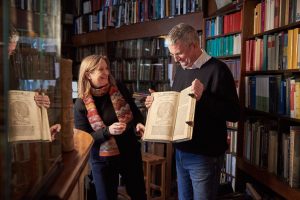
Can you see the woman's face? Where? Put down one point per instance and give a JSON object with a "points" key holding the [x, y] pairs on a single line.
{"points": [[99, 76]]}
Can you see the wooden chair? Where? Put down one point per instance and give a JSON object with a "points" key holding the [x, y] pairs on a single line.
{"points": [[152, 163]]}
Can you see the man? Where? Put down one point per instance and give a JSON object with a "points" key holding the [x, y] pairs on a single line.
{"points": [[41, 100], [199, 161]]}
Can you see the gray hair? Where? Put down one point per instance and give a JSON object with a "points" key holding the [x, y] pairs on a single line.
{"points": [[183, 32], [13, 34]]}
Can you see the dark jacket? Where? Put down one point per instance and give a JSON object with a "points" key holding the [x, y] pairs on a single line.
{"points": [[219, 103]]}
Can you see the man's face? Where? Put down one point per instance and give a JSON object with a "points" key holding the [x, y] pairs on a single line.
{"points": [[182, 53], [11, 48]]}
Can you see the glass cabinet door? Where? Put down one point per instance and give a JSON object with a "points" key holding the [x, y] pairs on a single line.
{"points": [[30, 57]]}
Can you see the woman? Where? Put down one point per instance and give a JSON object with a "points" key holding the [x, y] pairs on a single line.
{"points": [[106, 110]]}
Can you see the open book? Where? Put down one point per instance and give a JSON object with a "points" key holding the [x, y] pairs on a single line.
{"points": [[171, 116], [27, 121]]}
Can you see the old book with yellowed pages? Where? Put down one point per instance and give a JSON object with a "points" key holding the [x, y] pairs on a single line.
{"points": [[27, 121], [170, 117]]}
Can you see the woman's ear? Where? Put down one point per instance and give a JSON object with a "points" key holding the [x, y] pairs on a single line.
{"points": [[87, 75]]}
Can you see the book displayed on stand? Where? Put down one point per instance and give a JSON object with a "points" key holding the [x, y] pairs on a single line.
{"points": [[170, 117]]}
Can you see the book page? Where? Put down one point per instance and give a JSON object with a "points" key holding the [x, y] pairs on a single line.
{"points": [[185, 116], [161, 116], [25, 118]]}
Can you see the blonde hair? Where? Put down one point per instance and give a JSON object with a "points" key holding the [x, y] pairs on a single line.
{"points": [[184, 33], [88, 65]]}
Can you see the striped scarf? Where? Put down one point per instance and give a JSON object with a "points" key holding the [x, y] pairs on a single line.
{"points": [[122, 110]]}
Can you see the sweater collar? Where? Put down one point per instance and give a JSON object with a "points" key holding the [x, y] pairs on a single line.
{"points": [[203, 58]]}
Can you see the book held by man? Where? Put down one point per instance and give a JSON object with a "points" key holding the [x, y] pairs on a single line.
{"points": [[170, 117], [27, 121]]}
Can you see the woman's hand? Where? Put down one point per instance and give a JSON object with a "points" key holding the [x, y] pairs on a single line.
{"points": [[140, 129], [42, 100], [117, 128]]}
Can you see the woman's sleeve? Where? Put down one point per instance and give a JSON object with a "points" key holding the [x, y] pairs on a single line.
{"points": [[81, 122]]}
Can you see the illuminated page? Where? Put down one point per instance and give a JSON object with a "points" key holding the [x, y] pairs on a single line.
{"points": [[161, 116], [25, 118]]}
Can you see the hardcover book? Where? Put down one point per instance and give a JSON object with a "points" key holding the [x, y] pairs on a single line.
{"points": [[27, 121], [170, 117]]}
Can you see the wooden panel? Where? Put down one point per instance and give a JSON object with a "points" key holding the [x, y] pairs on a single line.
{"points": [[138, 30], [269, 180]]}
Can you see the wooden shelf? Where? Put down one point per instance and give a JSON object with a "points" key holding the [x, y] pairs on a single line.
{"points": [[276, 30], [270, 115], [269, 180], [139, 30], [223, 35], [229, 56], [271, 72]]}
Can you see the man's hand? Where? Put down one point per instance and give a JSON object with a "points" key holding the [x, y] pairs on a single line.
{"points": [[197, 89], [42, 100], [149, 99], [54, 129], [140, 129]]}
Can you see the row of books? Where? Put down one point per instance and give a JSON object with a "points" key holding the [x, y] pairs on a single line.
{"points": [[223, 24], [235, 67], [228, 171], [144, 69], [131, 12], [279, 154], [50, 7], [274, 52], [82, 52], [232, 141], [129, 49], [34, 66], [270, 14], [230, 164], [164, 8], [224, 46], [274, 94], [139, 48]]}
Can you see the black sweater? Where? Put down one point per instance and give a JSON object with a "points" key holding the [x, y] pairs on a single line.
{"points": [[219, 103], [126, 141]]}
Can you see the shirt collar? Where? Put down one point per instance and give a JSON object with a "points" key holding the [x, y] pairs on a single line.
{"points": [[203, 58]]}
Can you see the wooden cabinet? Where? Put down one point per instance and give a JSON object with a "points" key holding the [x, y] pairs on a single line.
{"points": [[70, 183]]}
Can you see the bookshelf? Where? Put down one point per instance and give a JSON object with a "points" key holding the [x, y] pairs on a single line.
{"points": [[67, 18], [30, 166], [223, 35], [264, 137]]}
